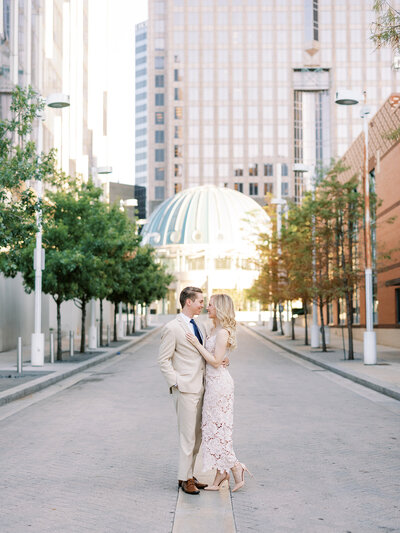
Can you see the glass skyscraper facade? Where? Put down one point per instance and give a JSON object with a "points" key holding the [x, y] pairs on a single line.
{"points": [[236, 87]]}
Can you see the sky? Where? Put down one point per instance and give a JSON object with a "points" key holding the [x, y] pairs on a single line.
{"points": [[112, 64]]}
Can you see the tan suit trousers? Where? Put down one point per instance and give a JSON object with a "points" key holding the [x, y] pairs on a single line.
{"points": [[188, 409]]}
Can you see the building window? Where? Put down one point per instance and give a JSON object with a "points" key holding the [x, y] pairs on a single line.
{"points": [[141, 60], [141, 72], [178, 171], [141, 144], [253, 189], [159, 99], [178, 152], [285, 188], [178, 113], [178, 94], [253, 170], [159, 193], [239, 171], [141, 132], [141, 108], [238, 187], [141, 37], [158, 62], [159, 136], [177, 74], [159, 174], [141, 84], [311, 20], [285, 171], [268, 170], [177, 187], [268, 188], [159, 155], [141, 96], [140, 49], [223, 263], [178, 134], [159, 80], [159, 117], [397, 296]]}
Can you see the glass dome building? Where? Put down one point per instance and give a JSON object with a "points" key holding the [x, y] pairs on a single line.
{"points": [[207, 238]]}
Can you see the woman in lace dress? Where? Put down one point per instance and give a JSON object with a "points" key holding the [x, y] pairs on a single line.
{"points": [[217, 417]]}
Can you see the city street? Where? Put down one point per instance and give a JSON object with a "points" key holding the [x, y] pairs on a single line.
{"points": [[99, 454]]}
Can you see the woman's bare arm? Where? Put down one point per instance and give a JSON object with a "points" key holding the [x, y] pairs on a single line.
{"points": [[220, 348]]}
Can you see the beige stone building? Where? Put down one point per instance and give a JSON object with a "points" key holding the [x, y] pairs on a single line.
{"points": [[233, 87]]}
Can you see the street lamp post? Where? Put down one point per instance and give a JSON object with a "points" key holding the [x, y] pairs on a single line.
{"points": [[279, 202], [348, 98], [130, 202], [37, 340], [92, 327], [299, 167]]}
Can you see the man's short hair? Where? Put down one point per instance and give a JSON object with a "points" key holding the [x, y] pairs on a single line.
{"points": [[189, 293]]}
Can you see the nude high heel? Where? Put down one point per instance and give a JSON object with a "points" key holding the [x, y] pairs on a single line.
{"points": [[238, 473], [217, 487]]}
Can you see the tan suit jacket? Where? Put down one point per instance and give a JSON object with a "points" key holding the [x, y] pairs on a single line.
{"points": [[179, 360]]}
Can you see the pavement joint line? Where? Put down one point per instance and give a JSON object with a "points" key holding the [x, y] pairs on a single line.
{"points": [[351, 376], [29, 388]]}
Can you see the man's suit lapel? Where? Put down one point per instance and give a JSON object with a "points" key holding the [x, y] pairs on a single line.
{"points": [[186, 328]]}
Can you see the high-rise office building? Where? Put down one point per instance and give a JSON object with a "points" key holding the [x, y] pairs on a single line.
{"points": [[236, 86], [141, 105]]}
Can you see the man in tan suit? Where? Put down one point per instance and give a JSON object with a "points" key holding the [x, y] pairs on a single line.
{"points": [[183, 368]]}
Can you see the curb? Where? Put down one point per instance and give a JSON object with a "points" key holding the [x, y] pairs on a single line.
{"points": [[353, 377], [47, 381]]}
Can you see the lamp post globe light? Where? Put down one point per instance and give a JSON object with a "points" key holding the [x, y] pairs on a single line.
{"points": [[37, 339], [310, 169], [347, 98]]}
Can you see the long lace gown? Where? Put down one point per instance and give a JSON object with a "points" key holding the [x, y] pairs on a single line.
{"points": [[217, 417]]}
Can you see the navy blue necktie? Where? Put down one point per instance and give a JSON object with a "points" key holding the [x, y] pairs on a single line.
{"points": [[196, 331]]}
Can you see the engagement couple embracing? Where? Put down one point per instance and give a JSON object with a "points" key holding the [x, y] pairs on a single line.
{"points": [[194, 364]]}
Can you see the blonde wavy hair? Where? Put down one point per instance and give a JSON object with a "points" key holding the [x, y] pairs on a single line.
{"points": [[225, 312]]}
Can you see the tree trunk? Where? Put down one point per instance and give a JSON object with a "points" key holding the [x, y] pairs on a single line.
{"points": [[59, 339], [349, 314], [321, 314], [101, 322], [115, 323], [280, 319], [274, 321], [133, 318], [127, 319], [306, 323], [83, 328]]}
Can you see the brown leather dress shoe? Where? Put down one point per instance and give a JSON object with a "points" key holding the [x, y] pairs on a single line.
{"points": [[196, 482], [189, 487]]}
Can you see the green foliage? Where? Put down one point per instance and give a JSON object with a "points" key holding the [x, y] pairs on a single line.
{"points": [[386, 28]]}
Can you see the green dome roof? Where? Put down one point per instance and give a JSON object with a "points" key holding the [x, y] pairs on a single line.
{"points": [[205, 215]]}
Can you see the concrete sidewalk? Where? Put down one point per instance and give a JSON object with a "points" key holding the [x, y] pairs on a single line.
{"points": [[14, 386], [384, 377]]}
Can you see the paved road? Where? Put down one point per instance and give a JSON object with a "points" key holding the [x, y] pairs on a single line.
{"points": [[100, 455]]}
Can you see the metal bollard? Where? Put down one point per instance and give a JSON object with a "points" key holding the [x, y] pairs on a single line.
{"points": [[52, 348], [71, 344], [108, 335], [19, 355]]}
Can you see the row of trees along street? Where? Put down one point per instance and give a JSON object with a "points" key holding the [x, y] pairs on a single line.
{"points": [[326, 225], [92, 249]]}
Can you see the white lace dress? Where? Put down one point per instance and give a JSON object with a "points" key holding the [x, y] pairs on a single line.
{"points": [[217, 418]]}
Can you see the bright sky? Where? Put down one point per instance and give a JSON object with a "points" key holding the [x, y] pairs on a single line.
{"points": [[112, 60]]}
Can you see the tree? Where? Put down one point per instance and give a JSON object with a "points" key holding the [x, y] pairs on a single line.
{"points": [[297, 254], [19, 163], [386, 28]]}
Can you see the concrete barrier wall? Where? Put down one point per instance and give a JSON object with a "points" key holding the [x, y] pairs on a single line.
{"points": [[17, 315]]}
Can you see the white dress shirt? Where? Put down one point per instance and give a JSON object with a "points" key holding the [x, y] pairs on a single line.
{"points": [[187, 320]]}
